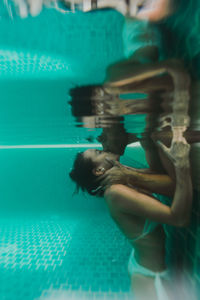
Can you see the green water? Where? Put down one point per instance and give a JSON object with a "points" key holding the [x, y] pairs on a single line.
{"points": [[55, 245]]}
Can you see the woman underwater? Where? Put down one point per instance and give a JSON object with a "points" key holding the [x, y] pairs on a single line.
{"points": [[153, 10], [137, 211]]}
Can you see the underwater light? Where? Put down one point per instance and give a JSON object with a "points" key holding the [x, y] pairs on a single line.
{"points": [[59, 146]]}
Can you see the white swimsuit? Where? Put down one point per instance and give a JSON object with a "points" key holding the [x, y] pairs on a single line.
{"points": [[135, 268]]}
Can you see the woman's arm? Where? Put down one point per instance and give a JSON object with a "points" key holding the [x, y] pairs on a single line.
{"points": [[130, 201]]}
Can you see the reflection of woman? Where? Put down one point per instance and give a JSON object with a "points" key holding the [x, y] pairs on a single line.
{"points": [[153, 10], [129, 194]]}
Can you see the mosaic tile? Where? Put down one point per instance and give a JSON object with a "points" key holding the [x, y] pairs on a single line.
{"points": [[41, 258]]}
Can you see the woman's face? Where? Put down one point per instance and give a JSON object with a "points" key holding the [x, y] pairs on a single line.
{"points": [[100, 157]]}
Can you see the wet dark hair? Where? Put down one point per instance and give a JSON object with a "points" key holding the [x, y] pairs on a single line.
{"points": [[89, 101], [81, 100], [83, 176]]}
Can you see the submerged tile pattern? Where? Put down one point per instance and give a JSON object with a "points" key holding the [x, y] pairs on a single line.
{"points": [[68, 53], [63, 257]]}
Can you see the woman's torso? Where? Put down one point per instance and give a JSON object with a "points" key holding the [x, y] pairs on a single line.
{"points": [[149, 248]]}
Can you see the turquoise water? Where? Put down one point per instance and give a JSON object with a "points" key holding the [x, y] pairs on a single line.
{"points": [[55, 245], [54, 45], [62, 256], [36, 111]]}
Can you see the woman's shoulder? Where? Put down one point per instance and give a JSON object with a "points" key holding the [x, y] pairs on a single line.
{"points": [[113, 190], [115, 196]]}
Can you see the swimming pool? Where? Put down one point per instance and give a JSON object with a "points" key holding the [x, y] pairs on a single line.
{"points": [[56, 245]]}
